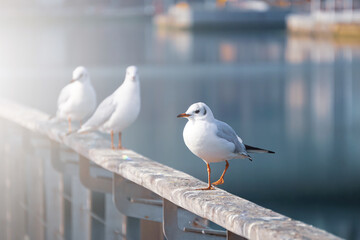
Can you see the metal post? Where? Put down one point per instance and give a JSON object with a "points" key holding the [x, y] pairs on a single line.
{"points": [[34, 191], [12, 184], [113, 220], [15, 183], [3, 188], [80, 206], [132, 228], [56, 162], [54, 201]]}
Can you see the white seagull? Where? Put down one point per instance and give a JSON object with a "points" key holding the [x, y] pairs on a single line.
{"points": [[213, 140], [119, 110], [77, 100]]}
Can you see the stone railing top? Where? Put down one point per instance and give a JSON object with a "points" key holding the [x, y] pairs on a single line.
{"points": [[227, 210]]}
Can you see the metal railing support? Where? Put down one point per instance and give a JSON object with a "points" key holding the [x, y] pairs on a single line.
{"points": [[97, 184], [188, 222], [142, 208], [180, 224], [136, 201]]}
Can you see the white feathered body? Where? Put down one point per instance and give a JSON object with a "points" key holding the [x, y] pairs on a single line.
{"points": [[76, 101], [127, 108], [117, 111], [200, 137]]}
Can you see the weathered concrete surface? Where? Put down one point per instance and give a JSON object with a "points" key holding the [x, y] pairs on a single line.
{"points": [[231, 212]]}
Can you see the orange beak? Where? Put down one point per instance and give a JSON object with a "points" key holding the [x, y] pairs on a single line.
{"points": [[183, 115], [72, 80]]}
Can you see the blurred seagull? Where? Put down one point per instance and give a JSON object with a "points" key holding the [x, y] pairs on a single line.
{"points": [[77, 100], [119, 110], [213, 140]]}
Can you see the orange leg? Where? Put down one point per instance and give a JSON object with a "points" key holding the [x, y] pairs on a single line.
{"points": [[112, 139], [80, 123], [69, 121], [120, 145], [221, 179], [209, 187]]}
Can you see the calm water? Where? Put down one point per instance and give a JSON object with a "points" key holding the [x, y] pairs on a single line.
{"points": [[297, 96]]}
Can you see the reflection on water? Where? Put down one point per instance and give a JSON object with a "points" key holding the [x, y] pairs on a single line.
{"points": [[296, 96]]}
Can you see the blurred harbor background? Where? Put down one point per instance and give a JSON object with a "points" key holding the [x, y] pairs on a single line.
{"points": [[296, 94]]}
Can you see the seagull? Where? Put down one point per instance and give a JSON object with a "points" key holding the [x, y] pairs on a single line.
{"points": [[77, 100], [119, 110], [213, 140]]}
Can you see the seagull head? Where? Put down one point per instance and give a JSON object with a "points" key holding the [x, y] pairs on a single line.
{"points": [[197, 111], [132, 73], [80, 74]]}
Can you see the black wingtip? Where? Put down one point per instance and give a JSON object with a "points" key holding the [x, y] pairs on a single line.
{"points": [[256, 149]]}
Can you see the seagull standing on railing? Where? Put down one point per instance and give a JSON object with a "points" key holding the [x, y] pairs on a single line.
{"points": [[119, 110], [213, 140], [77, 100]]}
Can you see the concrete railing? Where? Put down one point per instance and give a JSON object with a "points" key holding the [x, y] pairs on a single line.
{"points": [[162, 197]]}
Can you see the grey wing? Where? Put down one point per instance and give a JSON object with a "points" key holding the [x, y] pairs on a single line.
{"points": [[226, 132], [101, 115]]}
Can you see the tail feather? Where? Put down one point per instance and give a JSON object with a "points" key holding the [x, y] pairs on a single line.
{"points": [[71, 132], [82, 130], [85, 129], [256, 150]]}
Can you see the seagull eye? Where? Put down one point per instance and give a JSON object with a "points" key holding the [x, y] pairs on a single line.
{"points": [[197, 111]]}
